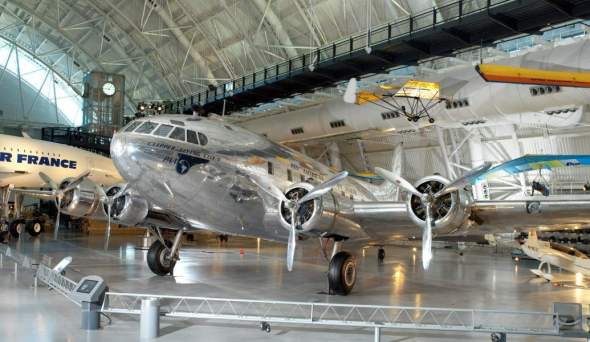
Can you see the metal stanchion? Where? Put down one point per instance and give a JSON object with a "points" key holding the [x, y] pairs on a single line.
{"points": [[15, 270], [149, 324], [377, 334]]}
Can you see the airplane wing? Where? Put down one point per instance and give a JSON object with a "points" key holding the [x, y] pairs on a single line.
{"points": [[522, 214], [12, 173], [532, 162], [46, 195]]}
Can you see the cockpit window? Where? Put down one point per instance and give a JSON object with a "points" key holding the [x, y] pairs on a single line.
{"points": [[132, 126], [191, 137], [147, 127], [163, 130], [203, 139], [177, 123], [178, 134]]}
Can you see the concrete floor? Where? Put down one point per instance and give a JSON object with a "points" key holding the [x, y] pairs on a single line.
{"points": [[480, 279]]}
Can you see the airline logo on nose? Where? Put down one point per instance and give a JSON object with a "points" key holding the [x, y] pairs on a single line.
{"points": [[185, 162], [31, 159]]}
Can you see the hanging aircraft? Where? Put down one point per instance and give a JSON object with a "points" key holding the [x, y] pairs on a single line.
{"points": [[23, 160], [184, 173], [553, 254]]}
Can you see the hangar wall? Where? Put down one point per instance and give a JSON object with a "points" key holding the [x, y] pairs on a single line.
{"points": [[43, 110]]}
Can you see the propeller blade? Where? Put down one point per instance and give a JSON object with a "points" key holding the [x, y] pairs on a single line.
{"points": [[350, 93], [48, 180], [74, 183], [427, 239], [56, 228], [101, 193], [120, 192], [465, 180], [324, 187], [292, 241], [107, 233], [402, 183]]}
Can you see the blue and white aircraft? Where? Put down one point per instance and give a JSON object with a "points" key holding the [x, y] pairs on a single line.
{"points": [[27, 164]]}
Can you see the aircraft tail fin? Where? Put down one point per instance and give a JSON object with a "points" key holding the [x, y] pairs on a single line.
{"points": [[533, 235]]}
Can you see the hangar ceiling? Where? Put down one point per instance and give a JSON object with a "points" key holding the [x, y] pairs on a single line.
{"points": [[167, 49]]}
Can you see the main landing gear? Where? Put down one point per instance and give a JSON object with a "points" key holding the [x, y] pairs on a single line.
{"points": [[163, 254], [342, 271]]}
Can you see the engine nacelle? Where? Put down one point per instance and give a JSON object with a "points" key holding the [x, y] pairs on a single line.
{"points": [[128, 209], [449, 211], [308, 212], [81, 201], [319, 217]]}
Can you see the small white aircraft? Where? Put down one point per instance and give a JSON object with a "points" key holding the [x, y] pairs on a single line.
{"points": [[554, 254], [27, 164]]}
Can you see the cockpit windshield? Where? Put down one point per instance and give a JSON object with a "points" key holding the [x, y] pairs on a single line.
{"points": [[569, 250], [163, 130], [132, 125], [147, 127], [171, 131], [178, 134]]}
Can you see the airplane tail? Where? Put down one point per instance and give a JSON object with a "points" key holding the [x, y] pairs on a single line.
{"points": [[533, 235]]}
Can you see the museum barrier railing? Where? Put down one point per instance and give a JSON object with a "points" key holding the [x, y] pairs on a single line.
{"points": [[41, 271], [349, 315]]}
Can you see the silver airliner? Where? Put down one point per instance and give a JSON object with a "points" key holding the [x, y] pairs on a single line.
{"points": [[184, 173]]}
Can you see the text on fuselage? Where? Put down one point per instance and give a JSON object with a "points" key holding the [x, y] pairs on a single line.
{"points": [[38, 160]]}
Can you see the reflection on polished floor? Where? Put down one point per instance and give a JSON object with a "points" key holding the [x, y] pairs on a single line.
{"points": [[478, 279]]}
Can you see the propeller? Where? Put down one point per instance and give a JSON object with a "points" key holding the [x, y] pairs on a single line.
{"points": [[428, 200], [465, 180], [294, 205], [350, 92], [59, 193], [109, 201]]}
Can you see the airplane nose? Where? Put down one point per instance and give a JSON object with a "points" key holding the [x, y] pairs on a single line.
{"points": [[118, 145]]}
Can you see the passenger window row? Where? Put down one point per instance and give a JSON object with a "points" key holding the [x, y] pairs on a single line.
{"points": [[169, 131]]}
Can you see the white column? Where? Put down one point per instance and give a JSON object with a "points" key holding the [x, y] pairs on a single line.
{"points": [[334, 155], [481, 189], [397, 165], [443, 148]]}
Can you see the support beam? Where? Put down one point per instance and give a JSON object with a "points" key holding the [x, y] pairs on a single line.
{"points": [[198, 59], [562, 6], [504, 21], [275, 22]]}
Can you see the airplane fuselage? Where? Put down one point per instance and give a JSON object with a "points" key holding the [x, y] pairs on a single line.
{"points": [[21, 160], [213, 186], [565, 258]]}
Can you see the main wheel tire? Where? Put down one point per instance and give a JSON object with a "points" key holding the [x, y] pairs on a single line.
{"points": [[16, 228], [158, 260], [342, 273], [34, 227]]}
